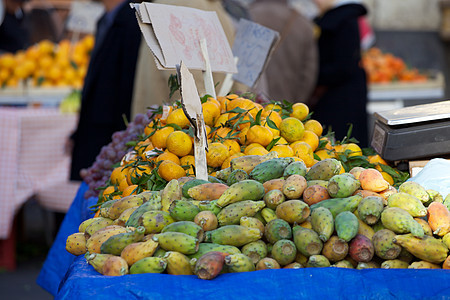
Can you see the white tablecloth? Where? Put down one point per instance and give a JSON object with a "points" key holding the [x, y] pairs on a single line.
{"points": [[33, 162]]}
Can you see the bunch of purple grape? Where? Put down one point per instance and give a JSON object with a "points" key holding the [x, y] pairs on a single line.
{"points": [[110, 155]]}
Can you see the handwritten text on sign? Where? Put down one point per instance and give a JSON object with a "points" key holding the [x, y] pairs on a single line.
{"points": [[178, 31], [252, 46]]}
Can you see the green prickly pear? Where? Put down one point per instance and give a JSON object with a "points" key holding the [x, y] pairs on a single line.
{"points": [[307, 241], [124, 203], [324, 169], [224, 174], [232, 213], [270, 169], [318, 261], [76, 243], [234, 235], [384, 246], [394, 264], [243, 190], [338, 205], [237, 263], [322, 183], [277, 229], [322, 222], [284, 252], [296, 167], [400, 221], [435, 196], [427, 248], [255, 250], [414, 189], [187, 227], [236, 176], [346, 224], [183, 210], [370, 208], [171, 192], [105, 206], [249, 162], [153, 203], [208, 247], [210, 205], [95, 241], [124, 216], [149, 265], [82, 227], [342, 185], [447, 201], [115, 244], [407, 202], [177, 241], [293, 211], [177, 263], [136, 251], [155, 220], [97, 260]]}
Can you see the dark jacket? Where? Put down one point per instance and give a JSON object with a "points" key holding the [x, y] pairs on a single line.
{"points": [[341, 92], [107, 90]]}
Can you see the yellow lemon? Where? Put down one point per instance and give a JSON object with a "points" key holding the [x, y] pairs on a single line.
{"points": [[314, 126], [292, 129], [299, 111], [216, 154], [259, 134], [179, 143]]}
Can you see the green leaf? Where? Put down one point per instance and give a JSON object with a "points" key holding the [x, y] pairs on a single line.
{"points": [[237, 110], [272, 143], [272, 124], [174, 126], [174, 84]]}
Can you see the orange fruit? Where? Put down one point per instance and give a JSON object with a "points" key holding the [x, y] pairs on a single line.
{"points": [[221, 120], [299, 111], [8, 61], [328, 145], [179, 143], [324, 154], [303, 151], [273, 107], [242, 135], [159, 138], [210, 112], [355, 150], [259, 134], [45, 47], [188, 160], [257, 151], [387, 177], [283, 150], [292, 129], [216, 154], [314, 126], [377, 159], [178, 117], [274, 117], [233, 146], [108, 191], [168, 156], [251, 146], [137, 172], [223, 103], [221, 132], [169, 170], [281, 141], [275, 132], [311, 138], [118, 174], [123, 184], [130, 190]]}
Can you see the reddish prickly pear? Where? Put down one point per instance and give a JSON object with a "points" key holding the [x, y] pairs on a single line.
{"points": [[361, 249], [210, 264]]}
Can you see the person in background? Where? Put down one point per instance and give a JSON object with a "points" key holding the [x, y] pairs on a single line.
{"points": [[108, 86], [151, 87], [292, 70], [340, 97], [14, 34]]}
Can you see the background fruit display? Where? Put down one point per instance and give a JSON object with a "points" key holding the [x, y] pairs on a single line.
{"points": [[47, 64], [383, 67], [268, 212]]}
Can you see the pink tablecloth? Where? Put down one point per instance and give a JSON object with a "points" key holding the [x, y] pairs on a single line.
{"points": [[33, 162]]}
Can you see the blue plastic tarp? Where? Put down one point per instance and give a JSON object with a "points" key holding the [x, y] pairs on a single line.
{"points": [[68, 277]]}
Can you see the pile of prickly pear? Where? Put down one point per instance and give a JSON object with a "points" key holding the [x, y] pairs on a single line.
{"points": [[267, 212]]}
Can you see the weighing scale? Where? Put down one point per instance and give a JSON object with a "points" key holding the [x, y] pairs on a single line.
{"points": [[414, 132]]}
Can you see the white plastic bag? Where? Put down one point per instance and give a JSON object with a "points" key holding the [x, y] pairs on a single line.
{"points": [[435, 175]]}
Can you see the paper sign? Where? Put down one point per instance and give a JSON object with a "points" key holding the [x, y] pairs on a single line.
{"points": [[253, 46], [173, 33], [83, 16], [192, 108]]}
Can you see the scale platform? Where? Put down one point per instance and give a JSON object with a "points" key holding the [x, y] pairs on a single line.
{"points": [[414, 132]]}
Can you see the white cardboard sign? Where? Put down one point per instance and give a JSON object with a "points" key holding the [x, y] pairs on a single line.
{"points": [[83, 16], [173, 33], [253, 47]]}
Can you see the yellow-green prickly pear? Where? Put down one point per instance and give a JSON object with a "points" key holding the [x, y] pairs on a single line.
{"points": [[400, 221], [414, 189], [183, 210], [209, 247], [427, 248], [274, 198], [293, 211], [115, 244], [155, 220], [318, 261], [384, 246], [267, 214], [267, 263], [86, 223], [97, 224], [177, 263], [324, 169], [236, 176], [338, 205], [115, 266], [237, 263], [284, 252], [124, 216], [335, 249], [342, 185], [177, 241], [277, 229], [249, 162], [124, 203], [407, 202], [252, 222], [394, 264], [307, 241], [255, 250], [136, 251], [365, 229], [76, 243], [171, 192], [243, 190], [270, 169], [153, 203], [187, 227], [207, 220], [97, 260], [322, 222], [234, 235], [369, 209], [367, 265], [294, 186], [95, 241], [232, 213], [426, 227], [446, 240], [423, 265], [343, 264], [435, 196], [149, 265]]}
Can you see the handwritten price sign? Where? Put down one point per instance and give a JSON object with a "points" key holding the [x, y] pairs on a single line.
{"points": [[253, 46], [173, 33]]}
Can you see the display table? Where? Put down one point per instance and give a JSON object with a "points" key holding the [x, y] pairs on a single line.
{"points": [[33, 162], [81, 281]]}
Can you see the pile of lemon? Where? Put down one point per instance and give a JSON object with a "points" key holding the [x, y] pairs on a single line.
{"points": [[47, 64], [235, 126]]}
